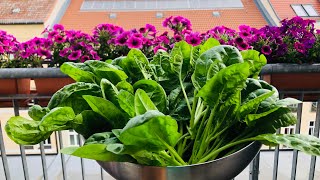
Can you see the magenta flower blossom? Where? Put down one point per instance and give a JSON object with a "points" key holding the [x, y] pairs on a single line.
{"points": [[24, 54], [243, 46], [84, 58], [166, 22], [299, 47], [266, 50], [151, 28], [193, 39], [155, 50], [52, 34], [44, 53], [142, 30], [121, 39], [58, 27], [64, 52], [238, 40], [59, 39], [74, 55], [177, 38], [134, 42], [245, 28]]}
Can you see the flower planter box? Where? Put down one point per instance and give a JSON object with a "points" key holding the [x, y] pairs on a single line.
{"points": [[48, 86], [293, 77], [14, 86]]}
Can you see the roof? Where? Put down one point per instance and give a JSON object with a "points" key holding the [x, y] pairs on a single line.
{"points": [[25, 12], [284, 10], [202, 20]]}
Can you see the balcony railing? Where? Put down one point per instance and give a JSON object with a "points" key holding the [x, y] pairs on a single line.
{"points": [[49, 163]]}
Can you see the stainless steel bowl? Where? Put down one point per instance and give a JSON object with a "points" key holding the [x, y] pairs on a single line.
{"points": [[224, 168]]}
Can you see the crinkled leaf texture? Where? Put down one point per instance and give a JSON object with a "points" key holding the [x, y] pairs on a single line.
{"points": [[305, 143]]}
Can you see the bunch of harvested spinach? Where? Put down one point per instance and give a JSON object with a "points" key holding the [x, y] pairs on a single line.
{"points": [[188, 106]]}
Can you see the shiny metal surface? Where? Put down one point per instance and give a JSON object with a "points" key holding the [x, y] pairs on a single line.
{"points": [[224, 168]]}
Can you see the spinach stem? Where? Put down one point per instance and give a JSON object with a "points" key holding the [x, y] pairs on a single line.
{"points": [[193, 110], [169, 158], [185, 95], [214, 153], [173, 152]]}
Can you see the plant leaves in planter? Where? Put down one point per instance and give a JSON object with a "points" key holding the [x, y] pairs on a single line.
{"points": [[36, 112], [79, 72]]}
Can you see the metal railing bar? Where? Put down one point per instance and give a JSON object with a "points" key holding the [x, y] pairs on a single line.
{"points": [[4, 156], [297, 131], [254, 168], [63, 162], [24, 96], [21, 147], [316, 134], [276, 154], [101, 173], [43, 161], [16, 73], [81, 159]]}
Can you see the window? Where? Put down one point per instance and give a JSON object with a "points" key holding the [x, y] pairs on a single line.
{"points": [[314, 106], [128, 5], [304, 10], [73, 138], [289, 130], [311, 128]]}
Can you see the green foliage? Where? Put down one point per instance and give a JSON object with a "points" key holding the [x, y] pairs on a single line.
{"points": [[188, 106]]}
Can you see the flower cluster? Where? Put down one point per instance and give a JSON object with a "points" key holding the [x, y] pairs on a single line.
{"points": [[71, 45], [8, 45], [295, 41]]}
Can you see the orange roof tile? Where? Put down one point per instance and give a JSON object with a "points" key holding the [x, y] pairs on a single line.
{"points": [[283, 7], [202, 20], [23, 11]]}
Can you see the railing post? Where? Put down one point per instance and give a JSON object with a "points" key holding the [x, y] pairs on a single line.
{"points": [[254, 168], [316, 134]]}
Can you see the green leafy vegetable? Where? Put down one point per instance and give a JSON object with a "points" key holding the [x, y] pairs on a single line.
{"points": [[187, 106]]}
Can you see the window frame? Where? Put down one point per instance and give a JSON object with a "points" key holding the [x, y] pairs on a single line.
{"points": [[304, 10]]}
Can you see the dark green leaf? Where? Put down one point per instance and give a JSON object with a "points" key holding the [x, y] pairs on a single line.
{"points": [[89, 122], [71, 95], [108, 110]]}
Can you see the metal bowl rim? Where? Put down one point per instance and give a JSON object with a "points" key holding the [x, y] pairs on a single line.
{"points": [[192, 165]]}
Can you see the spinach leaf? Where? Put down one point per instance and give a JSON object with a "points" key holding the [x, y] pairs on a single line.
{"points": [[152, 134], [102, 138], [109, 91], [225, 83], [304, 143], [96, 152], [142, 102], [155, 92], [258, 61], [89, 122], [126, 102], [59, 118], [108, 110], [124, 85], [71, 95], [105, 70], [136, 65], [25, 131], [79, 72], [36, 112]]}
